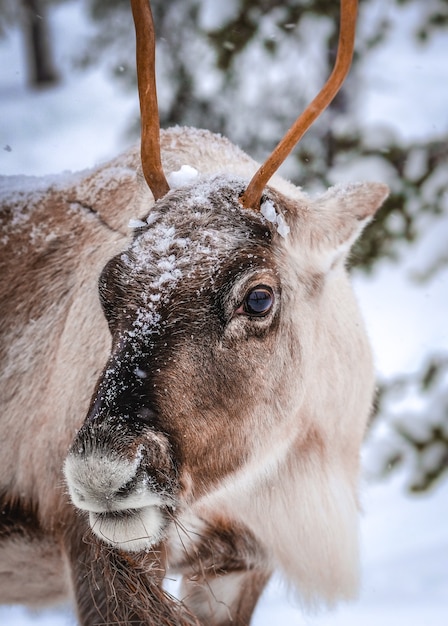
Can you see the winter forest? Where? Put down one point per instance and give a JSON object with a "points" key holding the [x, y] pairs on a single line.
{"points": [[246, 69]]}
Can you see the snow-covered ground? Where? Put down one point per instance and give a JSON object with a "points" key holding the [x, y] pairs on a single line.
{"points": [[404, 539]]}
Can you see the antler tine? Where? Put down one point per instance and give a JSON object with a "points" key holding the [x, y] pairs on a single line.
{"points": [[251, 197], [150, 124]]}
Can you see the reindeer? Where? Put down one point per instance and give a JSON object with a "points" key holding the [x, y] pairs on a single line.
{"points": [[234, 376]]}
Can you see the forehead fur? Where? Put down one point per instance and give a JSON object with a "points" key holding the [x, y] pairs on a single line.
{"points": [[188, 237], [206, 213], [203, 223]]}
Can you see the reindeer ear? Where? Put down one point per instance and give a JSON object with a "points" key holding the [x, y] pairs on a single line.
{"points": [[340, 216]]}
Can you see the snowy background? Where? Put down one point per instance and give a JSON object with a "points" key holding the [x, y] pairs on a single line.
{"points": [[84, 121]]}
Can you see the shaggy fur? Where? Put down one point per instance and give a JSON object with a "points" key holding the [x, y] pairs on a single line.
{"points": [[198, 437]]}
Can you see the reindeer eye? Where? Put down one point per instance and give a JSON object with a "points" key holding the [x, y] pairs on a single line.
{"points": [[257, 302]]}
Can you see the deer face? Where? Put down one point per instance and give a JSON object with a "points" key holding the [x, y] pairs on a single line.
{"points": [[208, 309]]}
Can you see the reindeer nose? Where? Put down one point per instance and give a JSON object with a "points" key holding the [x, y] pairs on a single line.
{"points": [[125, 510], [100, 482], [124, 479]]}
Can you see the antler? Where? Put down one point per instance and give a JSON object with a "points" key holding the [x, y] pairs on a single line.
{"points": [[251, 197], [150, 132]]}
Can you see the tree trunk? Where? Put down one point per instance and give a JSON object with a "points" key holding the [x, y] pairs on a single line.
{"points": [[41, 70]]}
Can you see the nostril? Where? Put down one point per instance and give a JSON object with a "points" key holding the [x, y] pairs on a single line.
{"points": [[146, 415], [124, 490]]}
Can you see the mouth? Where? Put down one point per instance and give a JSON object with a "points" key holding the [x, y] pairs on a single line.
{"points": [[131, 530]]}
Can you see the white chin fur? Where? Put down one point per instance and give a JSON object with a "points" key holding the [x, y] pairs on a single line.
{"points": [[132, 531]]}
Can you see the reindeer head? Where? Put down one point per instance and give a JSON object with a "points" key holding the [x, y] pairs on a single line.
{"points": [[226, 321], [219, 325]]}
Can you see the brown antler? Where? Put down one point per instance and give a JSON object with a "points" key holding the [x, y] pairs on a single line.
{"points": [[251, 197], [150, 133]]}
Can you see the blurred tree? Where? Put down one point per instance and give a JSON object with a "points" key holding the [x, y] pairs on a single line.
{"points": [[8, 15], [412, 430], [246, 68], [41, 67], [32, 15]]}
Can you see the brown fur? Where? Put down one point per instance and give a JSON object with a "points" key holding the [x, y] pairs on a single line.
{"points": [[245, 432]]}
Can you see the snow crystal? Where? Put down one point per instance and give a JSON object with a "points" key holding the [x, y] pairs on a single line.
{"points": [[167, 278], [167, 264], [152, 217], [165, 238], [268, 211], [182, 177], [136, 223], [282, 227], [146, 323]]}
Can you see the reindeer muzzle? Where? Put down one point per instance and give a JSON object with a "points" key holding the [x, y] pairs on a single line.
{"points": [[124, 476]]}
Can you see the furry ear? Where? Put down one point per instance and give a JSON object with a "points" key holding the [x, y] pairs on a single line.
{"points": [[340, 215]]}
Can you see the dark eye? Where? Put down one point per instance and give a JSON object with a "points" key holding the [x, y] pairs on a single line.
{"points": [[257, 302]]}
